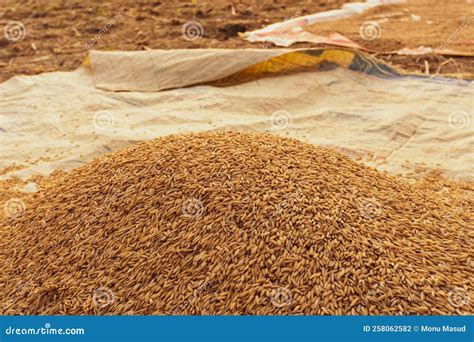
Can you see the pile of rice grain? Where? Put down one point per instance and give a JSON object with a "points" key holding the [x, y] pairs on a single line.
{"points": [[235, 223]]}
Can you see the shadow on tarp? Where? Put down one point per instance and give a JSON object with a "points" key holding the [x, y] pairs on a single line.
{"points": [[322, 60]]}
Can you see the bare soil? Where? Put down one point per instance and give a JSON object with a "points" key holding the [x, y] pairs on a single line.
{"points": [[439, 24], [58, 34]]}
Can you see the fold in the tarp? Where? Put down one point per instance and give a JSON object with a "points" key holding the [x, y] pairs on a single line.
{"points": [[168, 69]]}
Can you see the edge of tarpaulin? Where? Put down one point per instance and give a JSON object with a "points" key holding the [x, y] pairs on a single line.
{"points": [[313, 59], [345, 11], [347, 58]]}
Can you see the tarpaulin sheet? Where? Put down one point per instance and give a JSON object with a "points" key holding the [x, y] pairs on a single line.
{"points": [[330, 97]]}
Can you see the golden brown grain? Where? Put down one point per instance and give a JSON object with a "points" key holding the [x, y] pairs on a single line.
{"points": [[218, 223]]}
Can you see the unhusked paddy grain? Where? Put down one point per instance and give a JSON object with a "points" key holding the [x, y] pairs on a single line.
{"points": [[235, 223]]}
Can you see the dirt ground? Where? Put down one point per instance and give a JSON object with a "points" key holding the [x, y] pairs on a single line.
{"points": [[58, 34], [439, 24]]}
